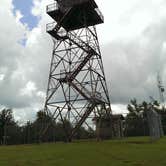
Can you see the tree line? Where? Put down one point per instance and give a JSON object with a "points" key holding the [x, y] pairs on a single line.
{"points": [[135, 124], [13, 133]]}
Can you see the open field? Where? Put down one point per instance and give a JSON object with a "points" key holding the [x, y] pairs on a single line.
{"points": [[127, 152]]}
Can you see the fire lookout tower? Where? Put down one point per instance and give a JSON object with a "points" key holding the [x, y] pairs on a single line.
{"points": [[77, 87]]}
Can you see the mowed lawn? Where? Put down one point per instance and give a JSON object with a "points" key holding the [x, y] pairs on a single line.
{"points": [[126, 152]]}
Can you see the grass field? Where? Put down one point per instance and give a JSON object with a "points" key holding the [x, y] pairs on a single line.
{"points": [[126, 152]]}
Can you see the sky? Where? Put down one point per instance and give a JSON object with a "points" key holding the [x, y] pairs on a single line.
{"points": [[133, 46], [24, 7]]}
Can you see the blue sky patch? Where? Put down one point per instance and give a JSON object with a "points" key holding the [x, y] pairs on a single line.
{"points": [[25, 7]]}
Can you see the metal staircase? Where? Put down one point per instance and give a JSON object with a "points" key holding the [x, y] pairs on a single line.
{"points": [[53, 30], [90, 96], [88, 111], [70, 77]]}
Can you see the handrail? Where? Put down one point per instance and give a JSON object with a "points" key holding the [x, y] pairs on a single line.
{"points": [[52, 7], [50, 26]]}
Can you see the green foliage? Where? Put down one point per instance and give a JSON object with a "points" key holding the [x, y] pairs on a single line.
{"points": [[136, 123], [6, 119], [30, 132], [43, 117]]}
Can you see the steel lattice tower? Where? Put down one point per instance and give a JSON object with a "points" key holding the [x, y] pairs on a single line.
{"points": [[77, 87], [161, 89]]}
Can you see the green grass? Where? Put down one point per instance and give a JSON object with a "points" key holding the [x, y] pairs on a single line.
{"points": [[126, 152]]}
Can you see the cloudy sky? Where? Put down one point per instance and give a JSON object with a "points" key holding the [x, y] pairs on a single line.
{"points": [[133, 44]]}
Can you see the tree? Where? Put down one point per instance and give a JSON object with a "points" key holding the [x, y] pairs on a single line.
{"points": [[136, 123], [6, 119], [43, 121]]}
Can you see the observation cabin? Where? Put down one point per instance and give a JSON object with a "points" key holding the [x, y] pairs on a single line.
{"points": [[75, 14]]}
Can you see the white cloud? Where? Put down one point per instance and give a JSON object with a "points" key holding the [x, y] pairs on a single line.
{"points": [[18, 16], [126, 19], [2, 76], [119, 109], [29, 88], [133, 44]]}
